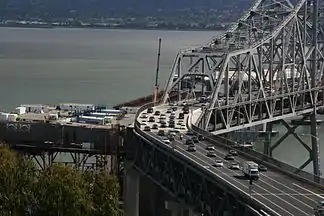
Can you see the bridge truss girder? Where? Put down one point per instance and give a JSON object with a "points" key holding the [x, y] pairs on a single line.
{"points": [[186, 182], [255, 24], [271, 80]]}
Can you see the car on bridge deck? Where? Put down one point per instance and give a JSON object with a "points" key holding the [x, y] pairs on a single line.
{"points": [[190, 133], [210, 148], [211, 154], [161, 133], [262, 168], [319, 209], [229, 157], [174, 108], [195, 139], [147, 128], [150, 110], [189, 142], [218, 163], [155, 127], [234, 166], [191, 148], [143, 116], [233, 152], [166, 141]]}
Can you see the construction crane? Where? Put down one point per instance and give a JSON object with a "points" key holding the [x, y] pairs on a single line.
{"points": [[156, 87]]}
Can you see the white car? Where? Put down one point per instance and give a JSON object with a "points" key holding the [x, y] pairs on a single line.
{"points": [[234, 166], [166, 141], [143, 116], [218, 163], [211, 154], [210, 148]]}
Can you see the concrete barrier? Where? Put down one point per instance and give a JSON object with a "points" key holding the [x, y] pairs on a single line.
{"points": [[258, 157]]}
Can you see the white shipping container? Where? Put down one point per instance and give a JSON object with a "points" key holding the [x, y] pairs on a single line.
{"points": [[91, 120], [87, 145], [4, 116], [12, 117], [76, 107], [20, 110]]}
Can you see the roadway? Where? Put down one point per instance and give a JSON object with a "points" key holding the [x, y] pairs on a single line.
{"points": [[283, 194]]}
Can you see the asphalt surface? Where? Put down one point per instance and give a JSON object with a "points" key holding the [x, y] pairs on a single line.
{"points": [[284, 195]]}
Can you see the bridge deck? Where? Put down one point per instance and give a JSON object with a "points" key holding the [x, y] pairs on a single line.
{"points": [[281, 193]]}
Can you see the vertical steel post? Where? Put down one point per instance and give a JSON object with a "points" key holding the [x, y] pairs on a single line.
{"points": [[315, 144]]}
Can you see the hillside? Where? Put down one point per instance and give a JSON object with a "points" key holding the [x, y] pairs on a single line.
{"points": [[109, 8]]}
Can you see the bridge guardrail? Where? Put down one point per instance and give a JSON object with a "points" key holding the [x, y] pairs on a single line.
{"points": [[259, 157]]}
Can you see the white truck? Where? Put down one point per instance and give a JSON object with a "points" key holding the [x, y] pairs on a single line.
{"points": [[251, 170]]}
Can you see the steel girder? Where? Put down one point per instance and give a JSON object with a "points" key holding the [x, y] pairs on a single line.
{"points": [[194, 69], [271, 79], [188, 183]]}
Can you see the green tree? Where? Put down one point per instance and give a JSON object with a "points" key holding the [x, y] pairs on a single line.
{"points": [[61, 190], [17, 180], [105, 194]]}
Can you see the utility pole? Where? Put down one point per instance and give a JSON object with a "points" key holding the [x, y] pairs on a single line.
{"points": [[315, 144], [156, 87]]}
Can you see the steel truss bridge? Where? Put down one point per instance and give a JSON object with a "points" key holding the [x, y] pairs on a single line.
{"points": [[267, 67]]}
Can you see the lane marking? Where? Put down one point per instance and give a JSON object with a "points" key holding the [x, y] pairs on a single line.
{"points": [[271, 179], [268, 190], [309, 191], [280, 194], [231, 177]]}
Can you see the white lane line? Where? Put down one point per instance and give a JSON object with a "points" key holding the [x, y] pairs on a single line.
{"points": [[302, 194], [269, 191], [233, 179], [288, 194], [281, 194], [309, 191]]}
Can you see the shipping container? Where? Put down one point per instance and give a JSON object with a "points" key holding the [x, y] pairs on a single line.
{"points": [[12, 117]]}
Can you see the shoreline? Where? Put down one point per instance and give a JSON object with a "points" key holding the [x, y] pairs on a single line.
{"points": [[106, 28]]}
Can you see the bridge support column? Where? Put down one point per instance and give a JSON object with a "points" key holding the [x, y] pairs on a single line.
{"points": [[267, 142], [178, 209], [315, 148], [131, 192]]}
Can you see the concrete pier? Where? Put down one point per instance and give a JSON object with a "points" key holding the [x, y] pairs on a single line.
{"points": [[178, 209], [131, 192]]}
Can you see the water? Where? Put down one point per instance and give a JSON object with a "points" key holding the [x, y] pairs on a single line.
{"points": [[85, 66], [50, 66]]}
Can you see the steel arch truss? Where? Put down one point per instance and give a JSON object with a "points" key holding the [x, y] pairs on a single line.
{"points": [[271, 80], [186, 182], [193, 72]]}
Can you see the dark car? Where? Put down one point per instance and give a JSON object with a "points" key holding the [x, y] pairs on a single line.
{"points": [[262, 168], [233, 152], [157, 113], [151, 119], [229, 157], [161, 133], [189, 142], [155, 126], [150, 110], [195, 139], [147, 128]]}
